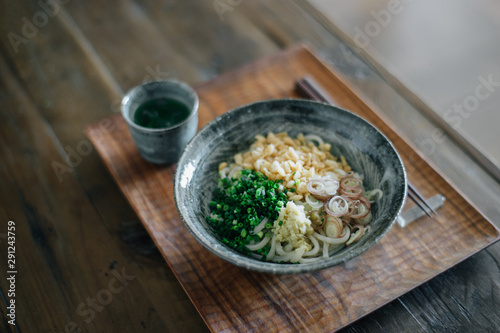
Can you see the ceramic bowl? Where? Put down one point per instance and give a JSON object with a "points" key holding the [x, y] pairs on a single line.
{"points": [[365, 148]]}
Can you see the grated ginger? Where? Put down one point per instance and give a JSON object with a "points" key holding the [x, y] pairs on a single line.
{"points": [[295, 226]]}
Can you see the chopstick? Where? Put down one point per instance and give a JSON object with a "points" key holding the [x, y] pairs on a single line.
{"points": [[419, 200], [310, 88]]}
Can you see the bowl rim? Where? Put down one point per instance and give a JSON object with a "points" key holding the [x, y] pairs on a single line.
{"points": [[272, 267]]}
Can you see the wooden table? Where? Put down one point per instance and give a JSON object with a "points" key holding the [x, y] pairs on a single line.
{"points": [[84, 262]]}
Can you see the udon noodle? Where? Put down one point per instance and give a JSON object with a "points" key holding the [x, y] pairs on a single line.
{"points": [[327, 206]]}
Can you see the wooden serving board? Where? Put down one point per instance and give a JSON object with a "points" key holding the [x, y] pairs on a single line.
{"points": [[232, 299]]}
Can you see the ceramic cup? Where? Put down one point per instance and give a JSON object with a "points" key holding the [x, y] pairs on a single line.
{"points": [[161, 145]]}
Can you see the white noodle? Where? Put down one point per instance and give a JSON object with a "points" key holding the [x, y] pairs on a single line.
{"points": [[272, 251], [284, 258], [325, 250], [256, 256], [260, 226], [279, 249], [234, 171], [331, 240], [298, 254], [315, 249], [312, 137], [259, 245], [309, 260]]}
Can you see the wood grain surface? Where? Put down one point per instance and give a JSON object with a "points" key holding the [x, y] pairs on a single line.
{"points": [[77, 235], [235, 300]]}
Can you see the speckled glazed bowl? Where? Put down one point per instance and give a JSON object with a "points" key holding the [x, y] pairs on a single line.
{"points": [[367, 150]]}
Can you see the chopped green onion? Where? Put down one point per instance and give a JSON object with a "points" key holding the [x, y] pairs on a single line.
{"points": [[240, 203]]}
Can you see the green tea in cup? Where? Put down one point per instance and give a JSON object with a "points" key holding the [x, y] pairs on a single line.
{"points": [[161, 113], [162, 117]]}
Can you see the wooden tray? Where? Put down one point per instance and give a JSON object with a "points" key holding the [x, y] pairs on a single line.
{"points": [[231, 299]]}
